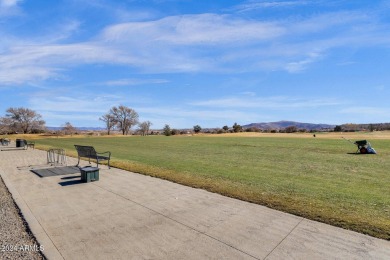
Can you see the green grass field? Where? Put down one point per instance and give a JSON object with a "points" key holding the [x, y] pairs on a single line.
{"points": [[310, 177]]}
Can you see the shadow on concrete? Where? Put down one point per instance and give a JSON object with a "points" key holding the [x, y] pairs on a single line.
{"points": [[71, 177], [68, 183]]}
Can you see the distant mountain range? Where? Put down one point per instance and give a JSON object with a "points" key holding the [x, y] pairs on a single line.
{"points": [[284, 124]]}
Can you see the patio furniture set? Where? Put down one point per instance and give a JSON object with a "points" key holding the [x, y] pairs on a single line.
{"points": [[57, 157]]}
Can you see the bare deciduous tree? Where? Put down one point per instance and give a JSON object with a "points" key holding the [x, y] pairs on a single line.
{"points": [[110, 121], [6, 125], [24, 119], [124, 117], [144, 127], [68, 128]]}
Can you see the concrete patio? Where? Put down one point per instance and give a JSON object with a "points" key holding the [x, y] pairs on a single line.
{"points": [[126, 215]]}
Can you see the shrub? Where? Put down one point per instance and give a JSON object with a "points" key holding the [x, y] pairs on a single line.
{"points": [[175, 132], [252, 129], [197, 129], [167, 130], [237, 128], [220, 131], [337, 128], [291, 129]]}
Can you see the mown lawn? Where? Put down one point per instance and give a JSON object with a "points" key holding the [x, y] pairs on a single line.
{"points": [[311, 177]]}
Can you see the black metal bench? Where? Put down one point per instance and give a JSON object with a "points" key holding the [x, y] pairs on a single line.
{"points": [[90, 153]]}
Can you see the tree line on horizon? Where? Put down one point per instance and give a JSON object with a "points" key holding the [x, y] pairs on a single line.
{"points": [[122, 118]]}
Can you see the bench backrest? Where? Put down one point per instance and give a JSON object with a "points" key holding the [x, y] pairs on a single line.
{"points": [[85, 151]]}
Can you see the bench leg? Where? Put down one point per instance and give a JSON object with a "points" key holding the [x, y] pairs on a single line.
{"points": [[78, 162]]}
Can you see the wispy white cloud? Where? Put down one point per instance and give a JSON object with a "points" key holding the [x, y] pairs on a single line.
{"points": [[276, 103], [71, 100], [134, 81], [9, 8], [58, 108], [40, 62], [298, 66], [195, 43], [133, 15], [366, 111], [29, 73], [200, 29], [311, 40], [249, 93], [365, 114], [255, 5], [63, 31], [81, 104], [118, 10], [59, 119], [337, 22], [184, 116], [9, 3]]}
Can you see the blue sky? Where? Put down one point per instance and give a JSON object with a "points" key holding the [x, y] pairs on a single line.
{"points": [[183, 62]]}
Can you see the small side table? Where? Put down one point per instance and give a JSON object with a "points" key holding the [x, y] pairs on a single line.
{"points": [[89, 174]]}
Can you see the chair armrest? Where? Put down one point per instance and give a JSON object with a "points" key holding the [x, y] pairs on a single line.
{"points": [[109, 153]]}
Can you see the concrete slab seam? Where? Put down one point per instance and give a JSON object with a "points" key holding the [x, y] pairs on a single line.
{"points": [[289, 233]]}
